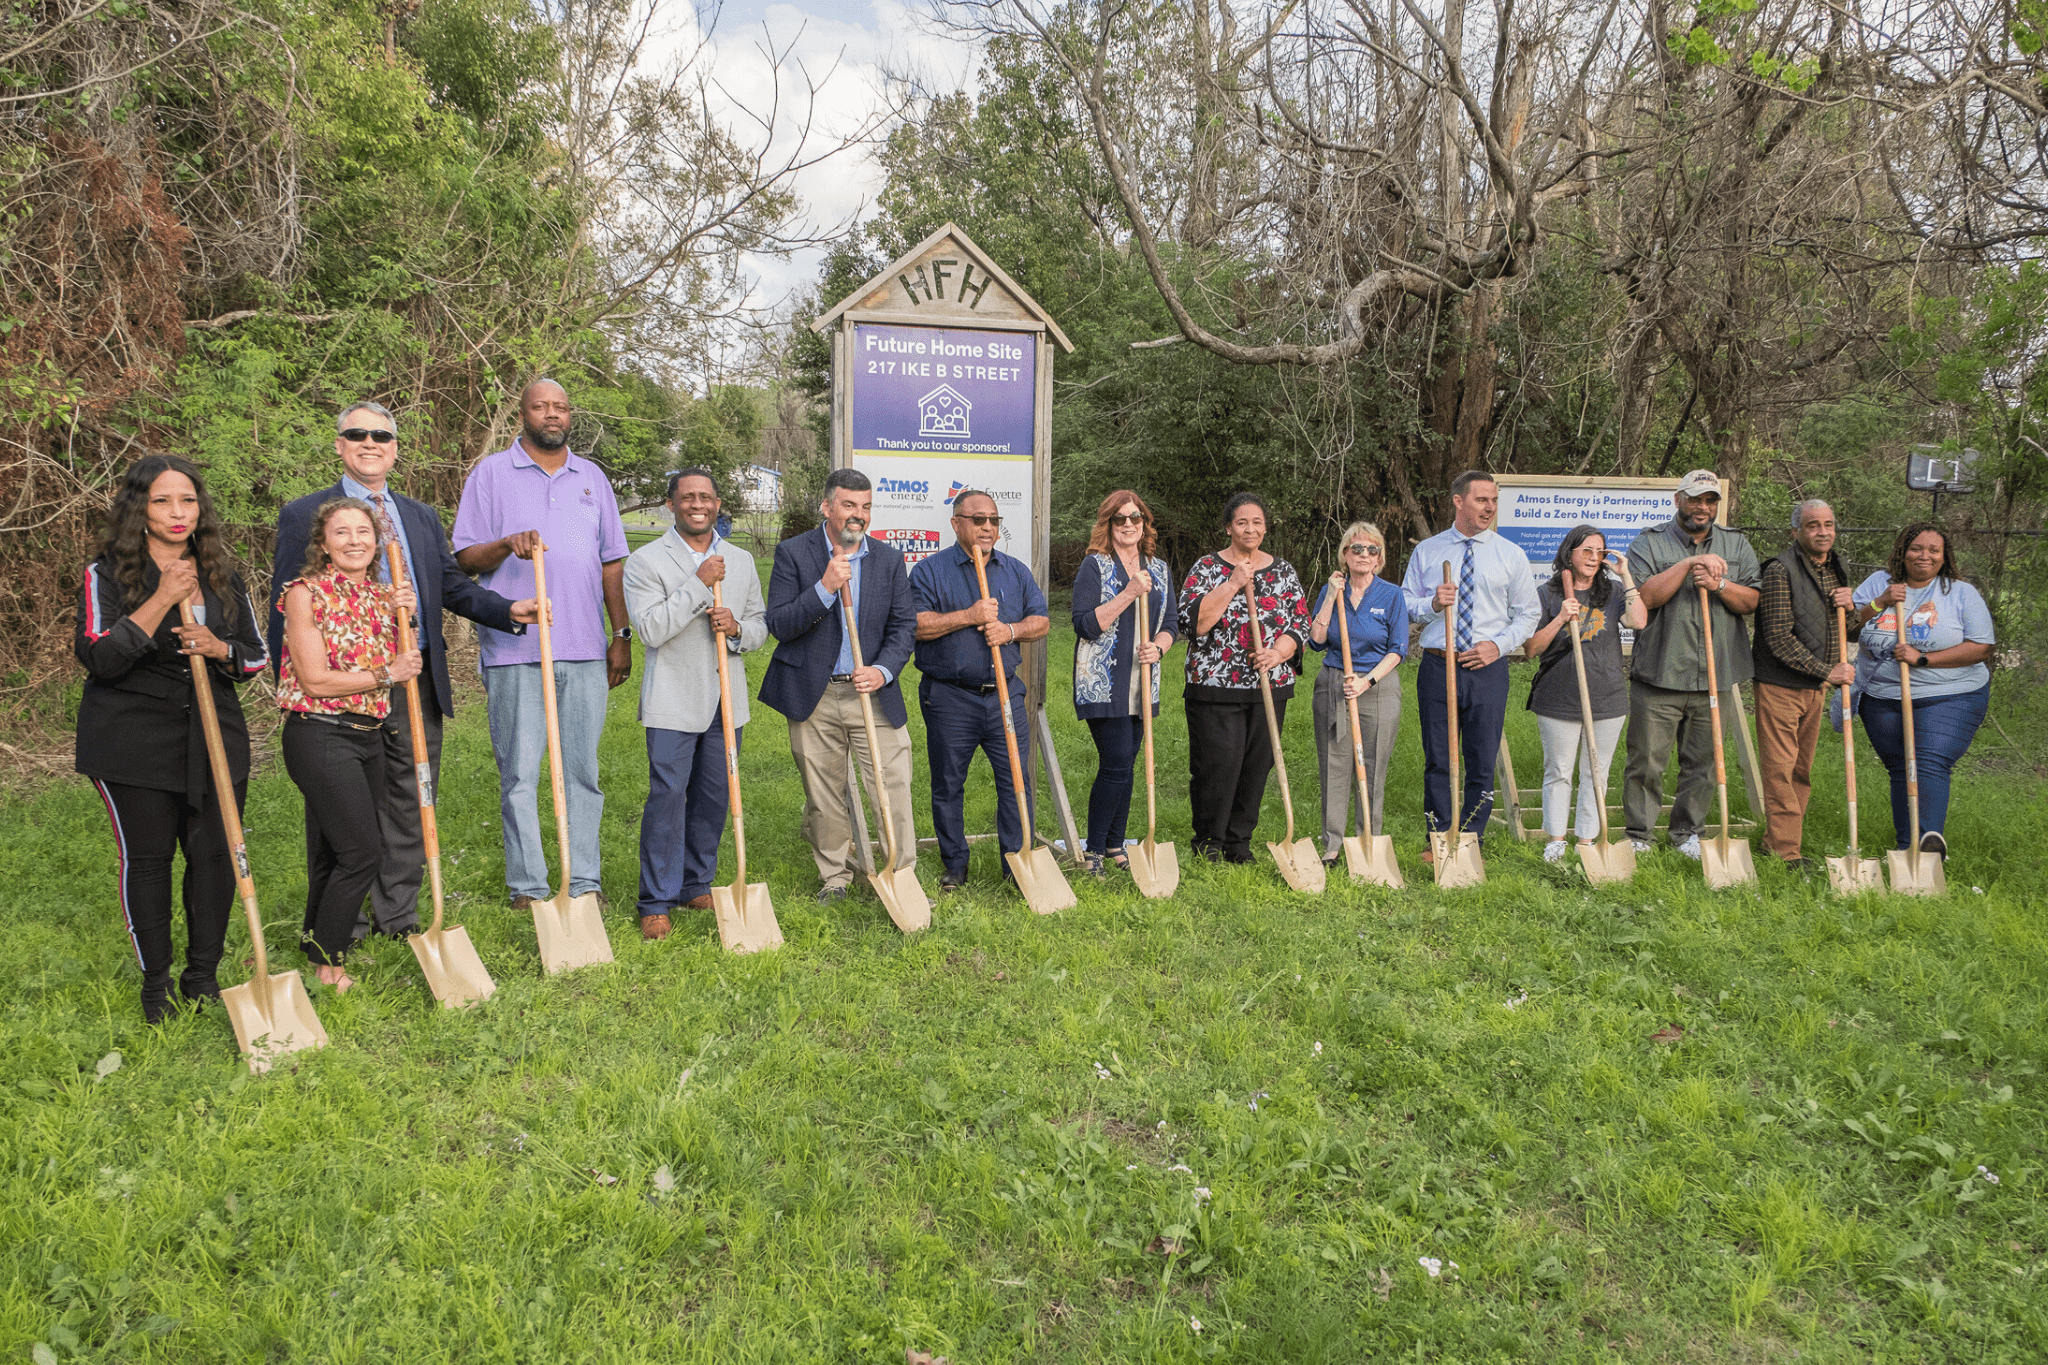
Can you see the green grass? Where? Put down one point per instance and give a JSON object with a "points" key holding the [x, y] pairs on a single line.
{"points": [[972, 1142]]}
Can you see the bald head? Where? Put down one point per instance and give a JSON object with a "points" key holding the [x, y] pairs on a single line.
{"points": [[544, 415], [1813, 527]]}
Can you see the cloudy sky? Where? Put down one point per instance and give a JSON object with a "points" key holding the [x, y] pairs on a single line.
{"points": [[851, 48]]}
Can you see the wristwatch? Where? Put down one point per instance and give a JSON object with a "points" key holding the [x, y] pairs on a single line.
{"points": [[623, 633]]}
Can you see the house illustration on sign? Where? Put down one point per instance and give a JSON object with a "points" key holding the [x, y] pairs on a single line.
{"points": [[943, 412]]}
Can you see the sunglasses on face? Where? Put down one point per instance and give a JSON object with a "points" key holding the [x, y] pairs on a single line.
{"points": [[1372, 550], [382, 438], [979, 518], [1126, 518]]}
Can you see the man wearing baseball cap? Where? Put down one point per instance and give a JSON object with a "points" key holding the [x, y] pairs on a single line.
{"points": [[1668, 674]]}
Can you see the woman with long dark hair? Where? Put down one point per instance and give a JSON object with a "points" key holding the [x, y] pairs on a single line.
{"points": [[139, 737], [1229, 750], [340, 659], [1582, 596], [1119, 569], [1919, 610]]}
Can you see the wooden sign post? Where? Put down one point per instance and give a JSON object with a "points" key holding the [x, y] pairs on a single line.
{"points": [[942, 381]]}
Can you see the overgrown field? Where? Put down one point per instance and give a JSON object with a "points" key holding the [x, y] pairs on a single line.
{"points": [[1532, 1121]]}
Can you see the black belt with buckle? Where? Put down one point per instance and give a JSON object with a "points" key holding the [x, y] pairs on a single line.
{"points": [[348, 720], [982, 688], [842, 677]]}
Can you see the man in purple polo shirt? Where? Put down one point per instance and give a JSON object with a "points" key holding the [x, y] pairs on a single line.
{"points": [[539, 493]]}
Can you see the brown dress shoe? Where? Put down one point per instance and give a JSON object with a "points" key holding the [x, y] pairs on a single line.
{"points": [[654, 927], [521, 902], [698, 902]]}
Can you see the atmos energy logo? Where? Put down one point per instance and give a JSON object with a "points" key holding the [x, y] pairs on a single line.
{"points": [[917, 486]]}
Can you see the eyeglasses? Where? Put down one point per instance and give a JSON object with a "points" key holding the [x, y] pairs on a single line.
{"points": [[1126, 518], [979, 518], [1373, 550], [382, 438]]}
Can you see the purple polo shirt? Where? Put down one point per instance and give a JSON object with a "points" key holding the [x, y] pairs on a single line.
{"points": [[577, 516]]}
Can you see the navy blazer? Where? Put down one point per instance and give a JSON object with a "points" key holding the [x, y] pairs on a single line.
{"points": [[808, 633], [450, 589]]}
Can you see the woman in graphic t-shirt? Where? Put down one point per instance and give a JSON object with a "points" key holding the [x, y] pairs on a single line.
{"points": [[1579, 596], [1919, 611]]}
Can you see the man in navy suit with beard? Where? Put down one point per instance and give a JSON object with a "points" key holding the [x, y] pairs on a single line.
{"points": [[812, 679], [367, 442]]}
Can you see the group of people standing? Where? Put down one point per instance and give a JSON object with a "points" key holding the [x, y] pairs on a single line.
{"points": [[163, 591]]}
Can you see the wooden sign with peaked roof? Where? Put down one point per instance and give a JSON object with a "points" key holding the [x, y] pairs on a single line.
{"points": [[942, 382], [946, 278]]}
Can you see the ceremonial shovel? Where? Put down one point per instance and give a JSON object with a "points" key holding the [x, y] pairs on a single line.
{"points": [[570, 928], [1368, 857], [1726, 863], [1155, 867], [1852, 872], [448, 960], [1300, 862], [272, 1015], [746, 921], [1456, 861], [1038, 876], [901, 892], [1606, 861], [1913, 873]]}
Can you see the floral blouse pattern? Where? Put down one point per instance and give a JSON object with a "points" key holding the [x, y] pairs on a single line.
{"points": [[356, 622], [1223, 657]]}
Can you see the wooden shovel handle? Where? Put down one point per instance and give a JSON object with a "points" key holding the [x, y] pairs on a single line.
{"points": [[230, 814], [1714, 707], [1586, 722], [1145, 711], [423, 772], [867, 717], [1451, 697], [1251, 603], [995, 653], [551, 714], [1848, 723], [1351, 705], [732, 754]]}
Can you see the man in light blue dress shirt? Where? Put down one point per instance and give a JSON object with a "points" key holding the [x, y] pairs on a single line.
{"points": [[1496, 611]]}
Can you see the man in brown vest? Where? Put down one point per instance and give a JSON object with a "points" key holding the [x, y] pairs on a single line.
{"points": [[1797, 660]]}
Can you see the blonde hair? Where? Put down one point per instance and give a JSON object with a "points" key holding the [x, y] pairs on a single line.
{"points": [[1367, 530]]}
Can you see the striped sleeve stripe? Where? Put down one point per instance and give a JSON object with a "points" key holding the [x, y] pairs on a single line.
{"points": [[95, 627], [251, 667]]}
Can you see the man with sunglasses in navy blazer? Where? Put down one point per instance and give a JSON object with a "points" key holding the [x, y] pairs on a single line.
{"points": [[367, 442], [813, 681]]}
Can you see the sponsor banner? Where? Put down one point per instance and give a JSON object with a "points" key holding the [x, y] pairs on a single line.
{"points": [[1535, 518], [936, 411]]}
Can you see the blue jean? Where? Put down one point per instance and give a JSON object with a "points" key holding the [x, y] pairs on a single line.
{"points": [[684, 817], [1482, 713], [1118, 741], [1942, 731], [956, 723], [519, 737]]}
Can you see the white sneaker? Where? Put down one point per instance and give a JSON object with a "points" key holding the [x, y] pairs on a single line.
{"points": [[1691, 847], [1641, 845], [1553, 852]]}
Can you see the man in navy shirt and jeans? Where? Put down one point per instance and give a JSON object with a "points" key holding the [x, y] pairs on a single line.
{"points": [[956, 626]]}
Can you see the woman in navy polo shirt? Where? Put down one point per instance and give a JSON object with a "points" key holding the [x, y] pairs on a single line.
{"points": [[1377, 614]]}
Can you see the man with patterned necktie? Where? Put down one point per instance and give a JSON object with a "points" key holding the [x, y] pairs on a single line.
{"points": [[367, 441], [1496, 611]]}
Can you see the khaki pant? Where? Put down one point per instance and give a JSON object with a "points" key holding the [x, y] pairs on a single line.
{"points": [[821, 743], [1379, 724], [1787, 728]]}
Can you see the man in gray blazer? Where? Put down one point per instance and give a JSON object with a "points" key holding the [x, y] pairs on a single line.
{"points": [[668, 597]]}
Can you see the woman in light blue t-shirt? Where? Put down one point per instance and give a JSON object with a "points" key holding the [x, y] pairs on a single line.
{"points": [[1920, 611]]}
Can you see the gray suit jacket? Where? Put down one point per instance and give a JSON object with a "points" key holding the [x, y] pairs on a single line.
{"points": [[671, 611]]}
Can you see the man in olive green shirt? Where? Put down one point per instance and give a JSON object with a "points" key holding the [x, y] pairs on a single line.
{"points": [[1667, 702]]}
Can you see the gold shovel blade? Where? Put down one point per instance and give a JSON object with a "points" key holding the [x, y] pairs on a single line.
{"points": [[1156, 870], [1851, 875], [1728, 864], [289, 1026], [571, 932], [1931, 879], [1615, 862], [746, 921], [448, 960], [1370, 858], [1040, 879], [903, 896], [1301, 865], [1460, 864]]}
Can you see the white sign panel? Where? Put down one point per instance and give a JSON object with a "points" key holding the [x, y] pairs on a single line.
{"points": [[914, 499], [1536, 518]]}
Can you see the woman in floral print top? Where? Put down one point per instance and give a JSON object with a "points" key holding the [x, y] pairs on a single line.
{"points": [[340, 657], [1229, 750]]}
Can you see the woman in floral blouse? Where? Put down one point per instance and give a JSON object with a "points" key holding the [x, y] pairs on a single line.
{"points": [[1229, 751], [340, 659], [1120, 568]]}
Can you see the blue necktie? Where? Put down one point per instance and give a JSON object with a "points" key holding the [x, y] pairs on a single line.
{"points": [[1465, 601]]}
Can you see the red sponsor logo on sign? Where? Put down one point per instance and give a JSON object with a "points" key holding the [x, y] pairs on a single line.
{"points": [[914, 544]]}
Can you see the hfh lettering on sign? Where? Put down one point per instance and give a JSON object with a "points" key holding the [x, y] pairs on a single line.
{"points": [[968, 288]]}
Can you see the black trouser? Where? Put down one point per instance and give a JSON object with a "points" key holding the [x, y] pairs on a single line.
{"points": [[1482, 715], [395, 896], [1118, 739], [339, 768], [1229, 754], [150, 828]]}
